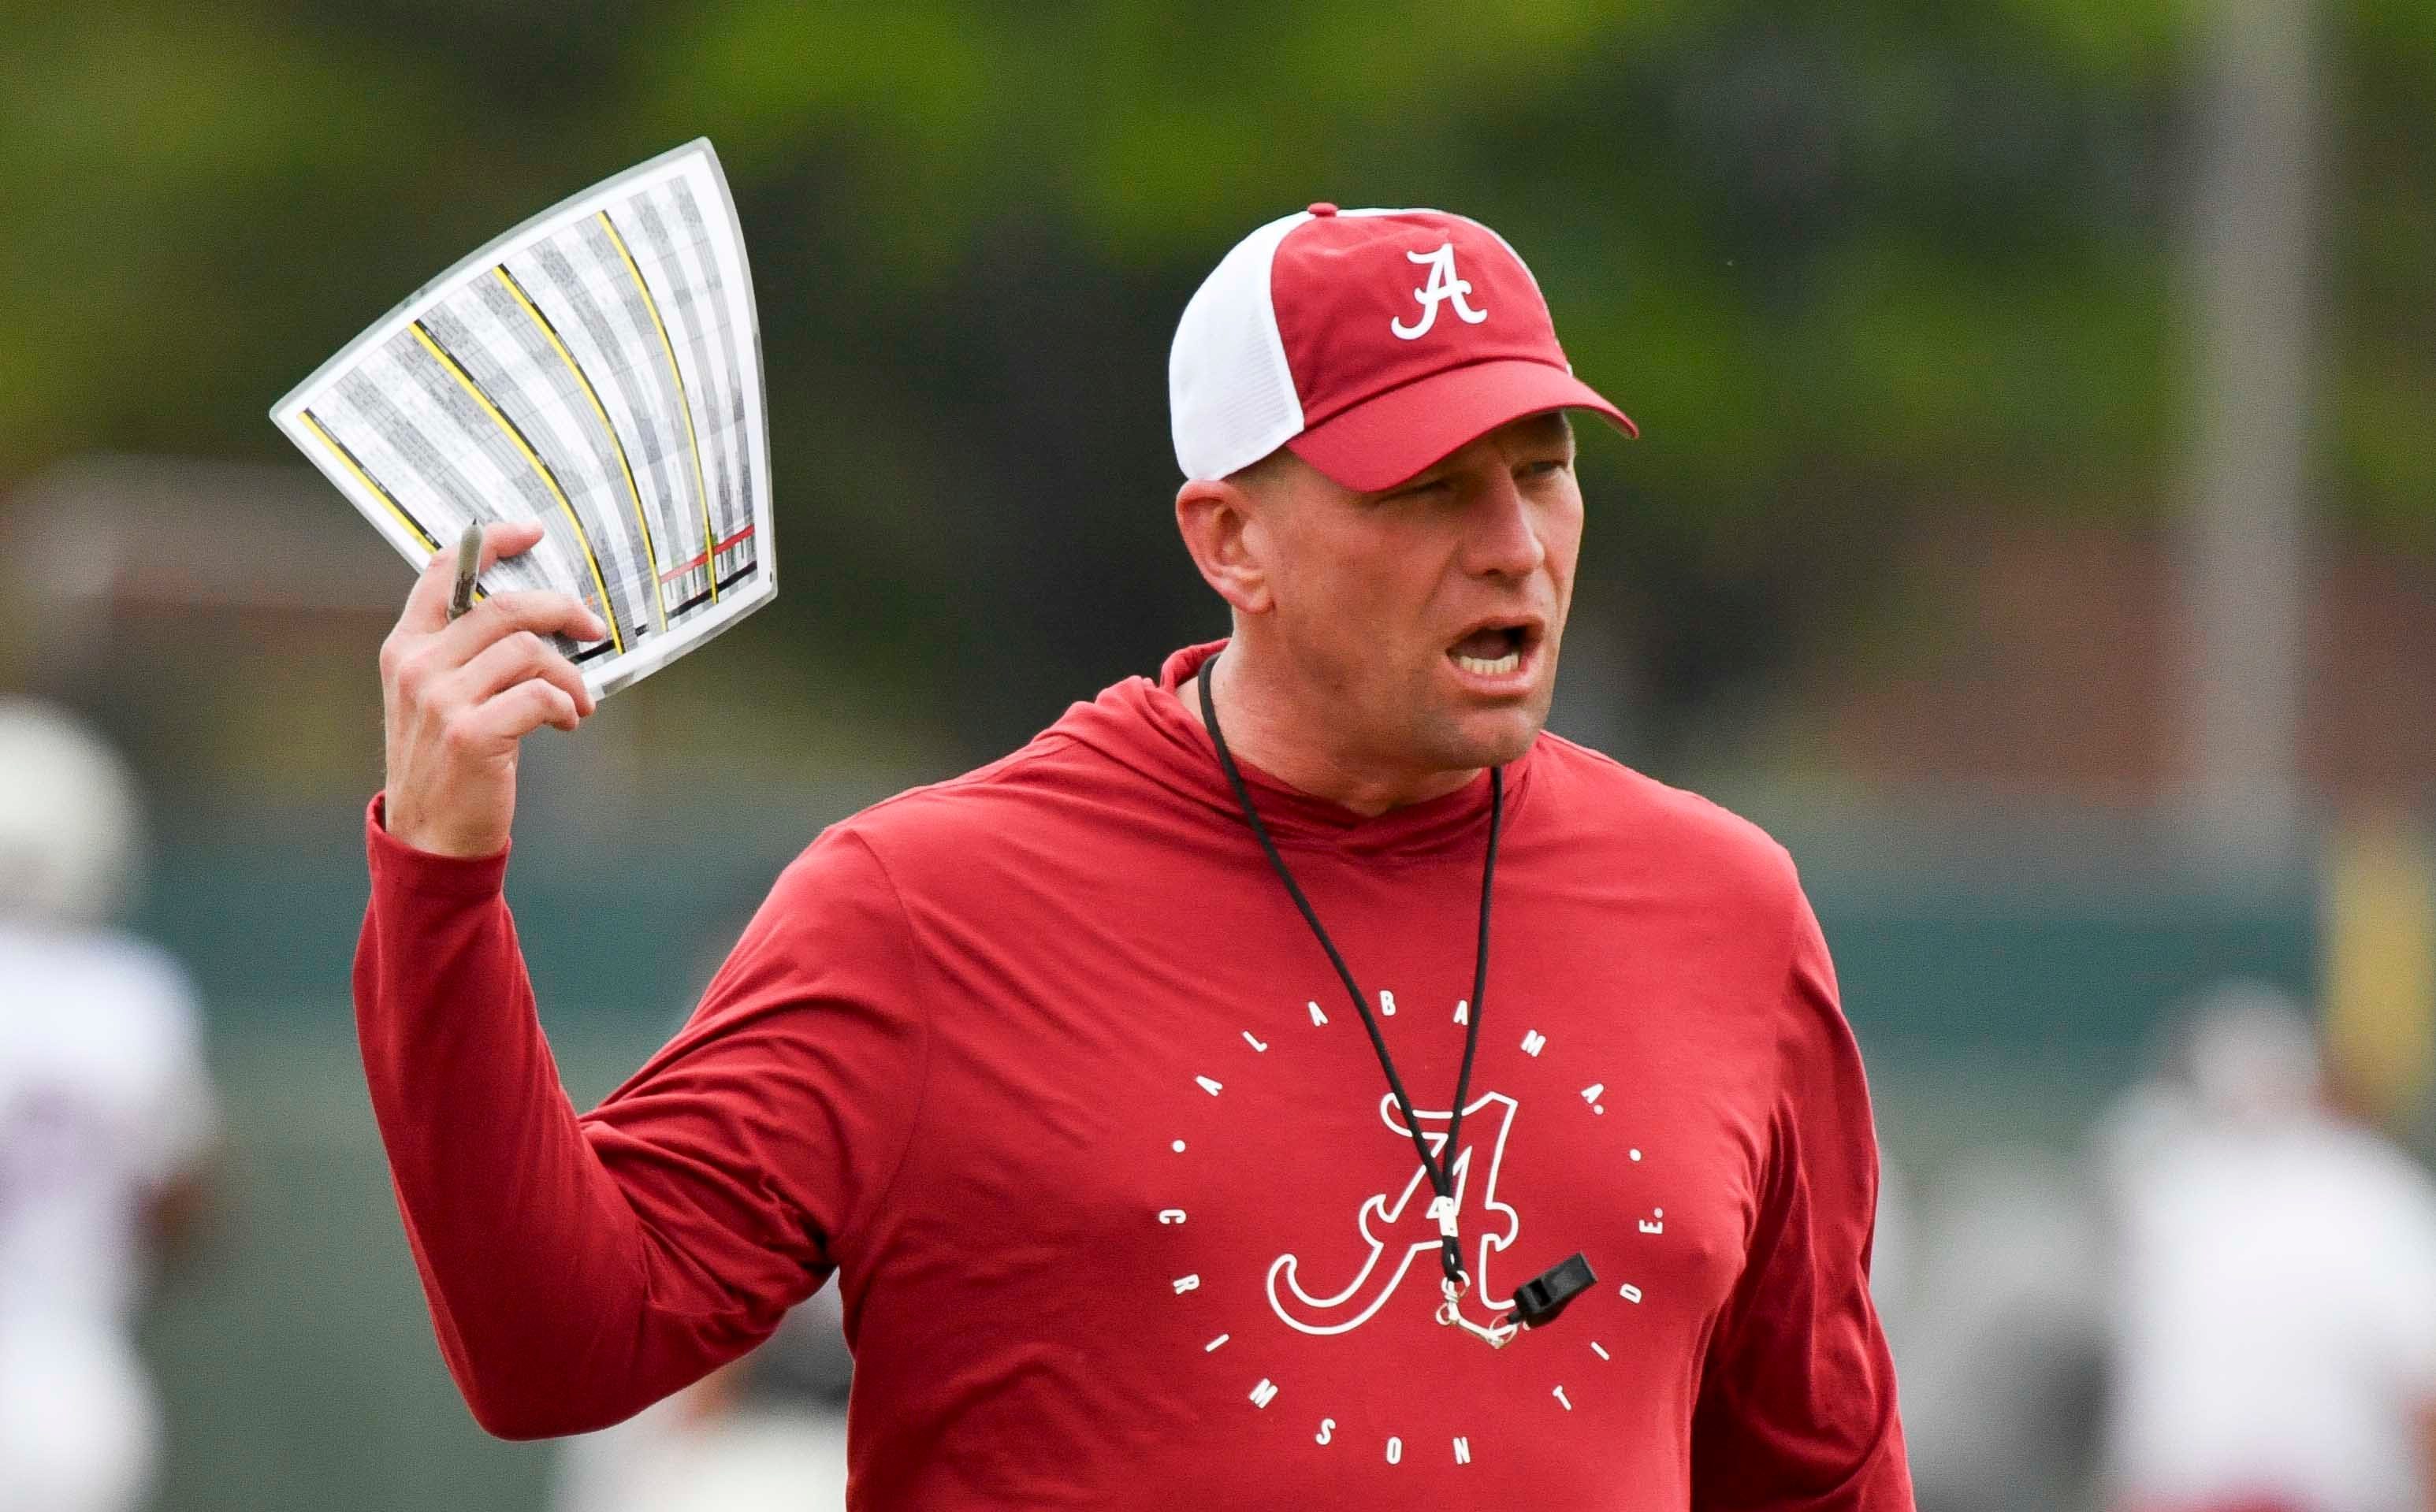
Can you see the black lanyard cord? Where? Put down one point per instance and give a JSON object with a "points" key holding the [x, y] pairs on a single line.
{"points": [[1439, 1173]]}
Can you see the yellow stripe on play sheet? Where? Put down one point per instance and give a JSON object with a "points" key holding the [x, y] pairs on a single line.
{"points": [[550, 479], [651, 550], [347, 460], [693, 443], [2379, 928]]}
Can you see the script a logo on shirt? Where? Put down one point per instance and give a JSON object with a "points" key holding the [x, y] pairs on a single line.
{"points": [[1403, 1237], [1343, 1274]]}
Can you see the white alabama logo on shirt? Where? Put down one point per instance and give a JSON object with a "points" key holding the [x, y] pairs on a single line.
{"points": [[1494, 1222], [1443, 288], [1389, 1242]]}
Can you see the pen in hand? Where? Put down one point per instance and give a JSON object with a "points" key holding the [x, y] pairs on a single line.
{"points": [[469, 557]]}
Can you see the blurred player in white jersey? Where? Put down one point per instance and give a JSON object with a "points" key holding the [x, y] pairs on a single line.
{"points": [[2276, 1342], [106, 1116]]}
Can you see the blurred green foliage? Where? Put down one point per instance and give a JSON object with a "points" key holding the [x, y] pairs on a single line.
{"points": [[1852, 266]]}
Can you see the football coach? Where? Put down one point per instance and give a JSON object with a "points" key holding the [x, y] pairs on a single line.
{"points": [[1295, 1080]]}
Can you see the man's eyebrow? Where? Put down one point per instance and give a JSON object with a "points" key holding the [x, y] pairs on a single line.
{"points": [[1434, 473], [1541, 430], [1553, 427]]}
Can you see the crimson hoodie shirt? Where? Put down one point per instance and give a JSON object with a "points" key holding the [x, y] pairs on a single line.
{"points": [[1043, 1066]]}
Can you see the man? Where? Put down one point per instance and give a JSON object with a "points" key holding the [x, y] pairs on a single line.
{"points": [[2275, 1305], [107, 1124], [1134, 1087]]}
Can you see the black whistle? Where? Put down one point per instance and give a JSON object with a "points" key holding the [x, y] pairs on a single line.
{"points": [[1539, 1300]]}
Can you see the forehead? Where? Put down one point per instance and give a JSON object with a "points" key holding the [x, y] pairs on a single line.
{"points": [[1283, 474]]}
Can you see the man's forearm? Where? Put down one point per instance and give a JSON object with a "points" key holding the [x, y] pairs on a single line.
{"points": [[532, 1258]]}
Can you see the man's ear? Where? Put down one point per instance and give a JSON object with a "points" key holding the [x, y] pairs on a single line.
{"points": [[1222, 529]]}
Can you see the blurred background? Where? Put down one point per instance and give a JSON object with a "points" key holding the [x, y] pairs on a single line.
{"points": [[2035, 528]]}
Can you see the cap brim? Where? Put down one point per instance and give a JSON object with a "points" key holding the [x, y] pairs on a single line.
{"points": [[1393, 436]]}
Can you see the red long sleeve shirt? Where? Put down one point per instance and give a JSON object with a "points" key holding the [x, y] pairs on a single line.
{"points": [[1043, 1066]]}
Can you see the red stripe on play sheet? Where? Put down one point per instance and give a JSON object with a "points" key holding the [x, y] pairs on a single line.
{"points": [[700, 559]]}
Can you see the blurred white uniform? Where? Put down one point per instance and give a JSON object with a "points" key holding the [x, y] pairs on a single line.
{"points": [[2001, 1334], [2276, 1337], [103, 1100], [676, 1456], [738, 1442]]}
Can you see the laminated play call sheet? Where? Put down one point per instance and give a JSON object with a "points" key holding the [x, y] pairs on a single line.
{"points": [[596, 369]]}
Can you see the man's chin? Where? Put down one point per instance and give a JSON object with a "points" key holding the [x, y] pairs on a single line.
{"points": [[1490, 737]]}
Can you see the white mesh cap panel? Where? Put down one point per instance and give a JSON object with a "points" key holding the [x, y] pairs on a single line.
{"points": [[1231, 396]]}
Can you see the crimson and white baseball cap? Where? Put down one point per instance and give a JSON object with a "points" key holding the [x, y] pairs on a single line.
{"points": [[1374, 342]]}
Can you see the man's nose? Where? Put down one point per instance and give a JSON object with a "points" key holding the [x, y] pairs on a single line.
{"points": [[1502, 532]]}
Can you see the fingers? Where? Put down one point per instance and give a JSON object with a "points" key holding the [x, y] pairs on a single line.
{"points": [[490, 675], [542, 612], [426, 672], [427, 605], [518, 712], [511, 539], [517, 658]]}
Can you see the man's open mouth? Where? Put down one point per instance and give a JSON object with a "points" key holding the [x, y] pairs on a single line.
{"points": [[1494, 650]]}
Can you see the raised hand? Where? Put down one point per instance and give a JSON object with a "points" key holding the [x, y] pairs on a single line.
{"points": [[458, 698]]}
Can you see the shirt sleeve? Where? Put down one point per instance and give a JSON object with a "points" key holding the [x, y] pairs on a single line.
{"points": [[1796, 1406], [580, 1268]]}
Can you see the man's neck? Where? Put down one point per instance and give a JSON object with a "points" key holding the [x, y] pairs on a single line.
{"points": [[1263, 731]]}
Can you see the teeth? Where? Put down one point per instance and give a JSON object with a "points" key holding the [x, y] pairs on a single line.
{"points": [[1483, 666]]}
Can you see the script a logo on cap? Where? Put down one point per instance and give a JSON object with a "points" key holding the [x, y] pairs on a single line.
{"points": [[1444, 288]]}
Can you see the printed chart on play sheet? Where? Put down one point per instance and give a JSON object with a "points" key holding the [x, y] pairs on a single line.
{"points": [[596, 369]]}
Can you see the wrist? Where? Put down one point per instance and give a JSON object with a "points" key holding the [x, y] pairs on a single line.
{"points": [[400, 866], [403, 823]]}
